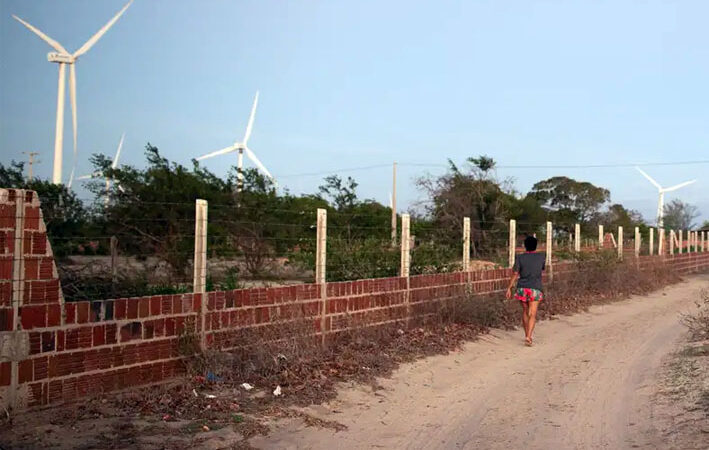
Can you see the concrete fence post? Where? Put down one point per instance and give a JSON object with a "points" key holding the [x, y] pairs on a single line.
{"points": [[321, 247], [600, 236], [512, 242], [321, 267], [703, 233], [672, 242], [652, 241], [548, 249], [637, 242], [681, 242], [405, 245], [466, 244], [199, 280], [577, 238], [661, 241], [620, 242]]}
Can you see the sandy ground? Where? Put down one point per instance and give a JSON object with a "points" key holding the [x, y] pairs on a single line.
{"points": [[590, 382]]}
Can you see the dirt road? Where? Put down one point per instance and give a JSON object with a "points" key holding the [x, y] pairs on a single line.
{"points": [[587, 383]]}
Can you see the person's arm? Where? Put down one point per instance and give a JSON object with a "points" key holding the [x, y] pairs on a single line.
{"points": [[513, 280]]}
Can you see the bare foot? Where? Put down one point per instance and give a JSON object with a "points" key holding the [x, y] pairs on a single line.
{"points": [[528, 342]]}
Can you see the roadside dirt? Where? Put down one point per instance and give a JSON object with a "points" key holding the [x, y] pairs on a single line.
{"points": [[591, 381]]}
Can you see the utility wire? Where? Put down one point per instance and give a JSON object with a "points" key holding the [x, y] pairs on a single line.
{"points": [[502, 166]]}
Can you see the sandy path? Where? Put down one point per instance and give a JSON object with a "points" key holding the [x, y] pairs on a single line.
{"points": [[586, 384]]}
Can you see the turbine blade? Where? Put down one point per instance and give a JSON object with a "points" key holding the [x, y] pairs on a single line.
{"points": [[681, 185], [251, 120], [258, 164], [114, 164], [86, 177], [90, 43], [72, 95], [55, 45], [218, 152], [650, 179]]}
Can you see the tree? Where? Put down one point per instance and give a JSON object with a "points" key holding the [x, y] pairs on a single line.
{"points": [[342, 194], [617, 215], [679, 215], [63, 212], [468, 192], [569, 201]]}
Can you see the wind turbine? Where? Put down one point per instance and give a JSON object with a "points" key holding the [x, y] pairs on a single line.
{"points": [[241, 148], [661, 191], [114, 165], [63, 57]]}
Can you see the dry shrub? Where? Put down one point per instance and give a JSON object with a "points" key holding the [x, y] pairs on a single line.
{"points": [[698, 323], [601, 278]]}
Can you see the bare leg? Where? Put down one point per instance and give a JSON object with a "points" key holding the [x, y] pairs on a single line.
{"points": [[525, 318], [532, 319]]}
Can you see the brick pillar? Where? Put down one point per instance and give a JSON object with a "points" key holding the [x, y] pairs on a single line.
{"points": [[30, 296]]}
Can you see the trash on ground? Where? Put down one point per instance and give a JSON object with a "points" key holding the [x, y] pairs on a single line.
{"points": [[277, 392], [247, 386]]}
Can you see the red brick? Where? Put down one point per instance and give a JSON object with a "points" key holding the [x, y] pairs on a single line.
{"points": [[33, 316], [5, 267], [39, 244], [6, 316], [99, 335], [5, 373], [111, 333], [54, 315], [166, 304], [120, 308], [6, 293], [55, 391], [31, 218], [48, 341], [144, 307], [25, 371], [7, 216], [60, 340], [46, 268], [169, 326], [155, 303], [31, 268], [132, 312], [70, 313], [82, 312], [40, 368]]}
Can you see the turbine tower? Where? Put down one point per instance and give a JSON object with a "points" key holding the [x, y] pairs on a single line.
{"points": [[661, 197], [241, 148], [63, 57]]}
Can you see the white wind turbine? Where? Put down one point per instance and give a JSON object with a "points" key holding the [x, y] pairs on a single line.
{"points": [[63, 57], [114, 165], [661, 191], [241, 148]]}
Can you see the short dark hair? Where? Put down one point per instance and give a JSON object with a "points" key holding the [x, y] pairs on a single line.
{"points": [[530, 243]]}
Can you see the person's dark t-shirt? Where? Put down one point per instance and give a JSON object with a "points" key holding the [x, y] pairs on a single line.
{"points": [[530, 267]]}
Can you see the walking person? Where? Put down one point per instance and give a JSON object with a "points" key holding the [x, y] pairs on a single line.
{"points": [[527, 274]]}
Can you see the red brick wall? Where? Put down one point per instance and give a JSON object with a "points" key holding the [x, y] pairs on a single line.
{"points": [[76, 349]]}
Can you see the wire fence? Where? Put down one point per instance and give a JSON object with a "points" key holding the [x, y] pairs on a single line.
{"points": [[153, 251]]}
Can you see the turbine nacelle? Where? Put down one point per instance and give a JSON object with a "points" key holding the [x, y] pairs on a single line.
{"points": [[60, 58]]}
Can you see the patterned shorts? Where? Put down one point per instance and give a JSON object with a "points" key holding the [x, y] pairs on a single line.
{"points": [[529, 295]]}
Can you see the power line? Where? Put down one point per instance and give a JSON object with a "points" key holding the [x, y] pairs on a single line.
{"points": [[502, 166]]}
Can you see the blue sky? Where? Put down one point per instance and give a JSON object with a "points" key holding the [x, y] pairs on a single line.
{"points": [[360, 83]]}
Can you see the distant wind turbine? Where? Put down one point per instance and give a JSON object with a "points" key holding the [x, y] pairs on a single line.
{"points": [[661, 191], [114, 165], [63, 58], [241, 148]]}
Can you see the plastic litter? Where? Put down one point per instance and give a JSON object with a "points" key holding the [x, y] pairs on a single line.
{"points": [[247, 386], [277, 392]]}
